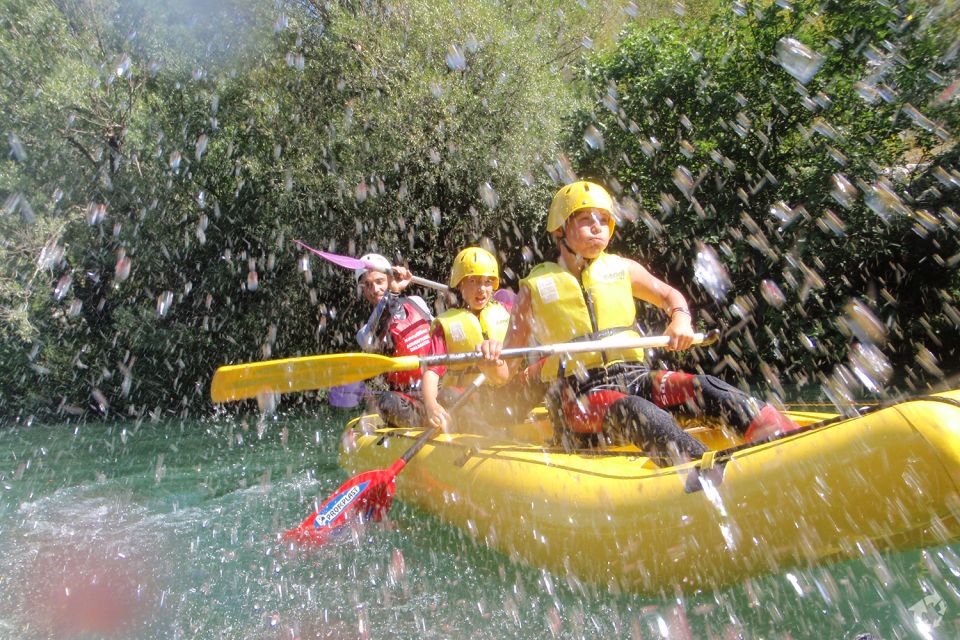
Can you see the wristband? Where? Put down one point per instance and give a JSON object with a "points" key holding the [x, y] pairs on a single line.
{"points": [[680, 310]]}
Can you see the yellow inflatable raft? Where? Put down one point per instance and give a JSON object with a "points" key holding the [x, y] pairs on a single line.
{"points": [[838, 488]]}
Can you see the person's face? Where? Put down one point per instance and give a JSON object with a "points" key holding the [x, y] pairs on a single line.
{"points": [[476, 291], [588, 232], [373, 286]]}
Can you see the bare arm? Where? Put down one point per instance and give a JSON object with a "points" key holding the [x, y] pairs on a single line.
{"points": [[436, 414], [649, 288]]}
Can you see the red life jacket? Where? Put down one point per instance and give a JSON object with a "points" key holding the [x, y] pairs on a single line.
{"points": [[410, 337]]}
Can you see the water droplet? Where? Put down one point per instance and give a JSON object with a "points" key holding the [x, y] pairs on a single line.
{"points": [[824, 128], [74, 309], [710, 272], [489, 195], [739, 8], [253, 281], [593, 137], [882, 200], [870, 366], [16, 147], [50, 256], [26, 212], [96, 213], [62, 288], [843, 192], [798, 59], [859, 321], [122, 65], [831, 222], [360, 191], [121, 270], [164, 301], [100, 399], [201, 146], [174, 160], [772, 294], [455, 58], [684, 180], [586, 42], [436, 89], [435, 215], [782, 211], [472, 44]]}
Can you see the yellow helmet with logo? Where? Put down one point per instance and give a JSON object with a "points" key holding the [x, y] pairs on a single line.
{"points": [[474, 261], [576, 196]]}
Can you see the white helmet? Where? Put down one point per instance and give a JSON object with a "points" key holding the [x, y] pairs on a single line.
{"points": [[377, 261]]}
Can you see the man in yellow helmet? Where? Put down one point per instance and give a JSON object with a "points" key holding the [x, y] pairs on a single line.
{"points": [[588, 294], [475, 275]]}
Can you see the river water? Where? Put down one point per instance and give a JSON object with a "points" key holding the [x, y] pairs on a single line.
{"points": [[166, 529]]}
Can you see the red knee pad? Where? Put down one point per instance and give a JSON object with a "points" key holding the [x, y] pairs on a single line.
{"points": [[672, 388], [769, 422], [585, 414]]}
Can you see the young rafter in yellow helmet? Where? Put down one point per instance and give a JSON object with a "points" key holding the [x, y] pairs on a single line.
{"points": [[589, 294], [475, 275]]}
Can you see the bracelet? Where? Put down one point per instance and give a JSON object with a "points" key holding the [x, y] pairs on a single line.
{"points": [[680, 310]]}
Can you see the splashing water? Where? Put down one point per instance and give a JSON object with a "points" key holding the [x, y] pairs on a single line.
{"points": [[870, 366], [164, 301], [455, 58], [860, 321], [593, 137], [772, 294], [882, 200], [489, 195], [201, 146], [843, 192], [62, 288], [798, 59], [710, 273]]}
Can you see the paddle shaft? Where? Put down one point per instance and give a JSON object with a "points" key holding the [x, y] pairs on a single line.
{"points": [[427, 435], [586, 346], [236, 382]]}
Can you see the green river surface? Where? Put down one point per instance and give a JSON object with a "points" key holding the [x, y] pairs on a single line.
{"points": [[167, 529]]}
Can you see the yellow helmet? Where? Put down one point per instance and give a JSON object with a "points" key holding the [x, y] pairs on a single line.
{"points": [[576, 196], [474, 261]]}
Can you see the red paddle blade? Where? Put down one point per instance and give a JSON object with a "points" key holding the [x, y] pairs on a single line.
{"points": [[363, 498]]}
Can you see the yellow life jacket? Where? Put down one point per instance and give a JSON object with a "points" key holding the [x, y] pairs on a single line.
{"points": [[464, 330], [564, 310]]}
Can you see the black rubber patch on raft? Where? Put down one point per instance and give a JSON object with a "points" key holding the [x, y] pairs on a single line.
{"points": [[698, 476]]}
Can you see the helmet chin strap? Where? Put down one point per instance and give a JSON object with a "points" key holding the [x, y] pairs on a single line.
{"points": [[581, 260]]}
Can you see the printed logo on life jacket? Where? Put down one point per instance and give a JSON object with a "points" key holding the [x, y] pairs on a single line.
{"points": [[418, 338], [614, 275], [333, 510]]}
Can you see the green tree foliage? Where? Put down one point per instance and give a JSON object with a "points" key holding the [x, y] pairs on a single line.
{"points": [[169, 153], [811, 145]]}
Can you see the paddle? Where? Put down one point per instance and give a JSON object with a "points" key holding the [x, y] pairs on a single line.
{"points": [[367, 496], [348, 262], [240, 381]]}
